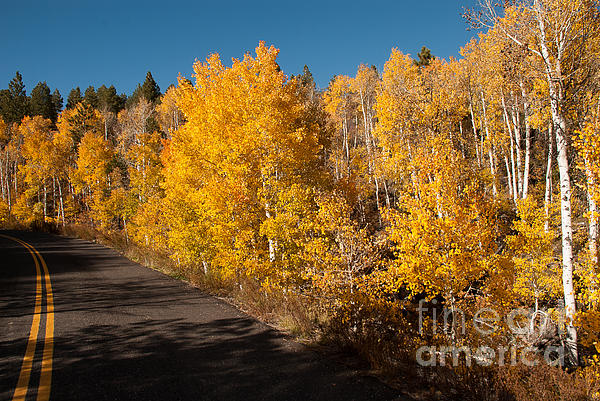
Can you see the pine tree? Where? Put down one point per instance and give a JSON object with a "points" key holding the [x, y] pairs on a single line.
{"points": [[74, 98], [108, 100], [90, 97], [306, 79], [134, 98], [41, 102], [57, 102], [150, 89], [5, 105], [425, 57], [14, 104]]}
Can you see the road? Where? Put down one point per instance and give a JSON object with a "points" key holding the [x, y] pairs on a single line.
{"points": [[80, 322]]}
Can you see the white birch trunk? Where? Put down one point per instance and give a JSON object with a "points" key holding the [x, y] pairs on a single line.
{"points": [[593, 227], [508, 177], [526, 167], [554, 78], [548, 194], [475, 135], [490, 154], [271, 242]]}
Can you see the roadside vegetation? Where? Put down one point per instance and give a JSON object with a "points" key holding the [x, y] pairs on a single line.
{"points": [[382, 214]]}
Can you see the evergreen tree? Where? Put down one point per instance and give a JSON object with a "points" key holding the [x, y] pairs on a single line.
{"points": [[5, 105], [41, 102], [57, 102], [83, 119], [108, 100], [135, 96], [150, 89], [122, 101], [307, 86], [91, 97], [14, 104], [306, 79], [425, 57], [74, 98]]}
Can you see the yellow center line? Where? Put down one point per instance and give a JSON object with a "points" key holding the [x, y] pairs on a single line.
{"points": [[43, 393], [23, 382]]}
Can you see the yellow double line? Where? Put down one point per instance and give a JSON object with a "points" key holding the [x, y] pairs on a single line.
{"points": [[43, 392]]}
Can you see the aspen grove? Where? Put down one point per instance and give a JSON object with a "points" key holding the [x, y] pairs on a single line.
{"points": [[466, 184]]}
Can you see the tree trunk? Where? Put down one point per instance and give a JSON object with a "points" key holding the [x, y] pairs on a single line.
{"points": [[593, 226], [125, 229], [512, 152], [377, 198], [548, 194], [45, 202], [517, 137], [514, 172], [557, 99], [460, 141], [271, 242], [62, 207], [490, 154], [508, 177], [566, 226], [527, 143], [475, 134], [387, 194]]}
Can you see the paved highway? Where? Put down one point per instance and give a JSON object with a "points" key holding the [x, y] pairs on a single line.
{"points": [[80, 322]]}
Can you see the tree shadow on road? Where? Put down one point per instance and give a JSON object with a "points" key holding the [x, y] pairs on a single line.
{"points": [[124, 332]]}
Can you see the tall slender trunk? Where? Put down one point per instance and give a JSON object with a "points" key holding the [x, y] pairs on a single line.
{"points": [[566, 228], [517, 136], [490, 154], [377, 198], [62, 206], [557, 98], [514, 172], [475, 134], [345, 145], [508, 177], [387, 193], [516, 188], [15, 177], [45, 202], [366, 131], [526, 167], [272, 244], [460, 141], [125, 229], [548, 194], [593, 224]]}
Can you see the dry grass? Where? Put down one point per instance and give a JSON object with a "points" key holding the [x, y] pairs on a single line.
{"points": [[385, 341]]}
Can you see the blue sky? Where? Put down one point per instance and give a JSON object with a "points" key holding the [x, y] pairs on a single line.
{"points": [[72, 43]]}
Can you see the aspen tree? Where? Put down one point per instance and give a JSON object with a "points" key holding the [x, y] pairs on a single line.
{"points": [[559, 33]]}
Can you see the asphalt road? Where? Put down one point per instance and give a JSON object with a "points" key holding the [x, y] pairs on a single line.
{"points": [[120, 331]]}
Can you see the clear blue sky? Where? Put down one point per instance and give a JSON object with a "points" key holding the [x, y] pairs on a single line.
{"points": [[72, 43]]}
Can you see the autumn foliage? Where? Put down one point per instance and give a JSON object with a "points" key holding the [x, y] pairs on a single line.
{"points": [[457, 182]]}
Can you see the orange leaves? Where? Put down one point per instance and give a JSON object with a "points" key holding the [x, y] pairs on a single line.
{"points": [[245, 140], [93, 176], [537, 272], [37, 146], [337, 97]]}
